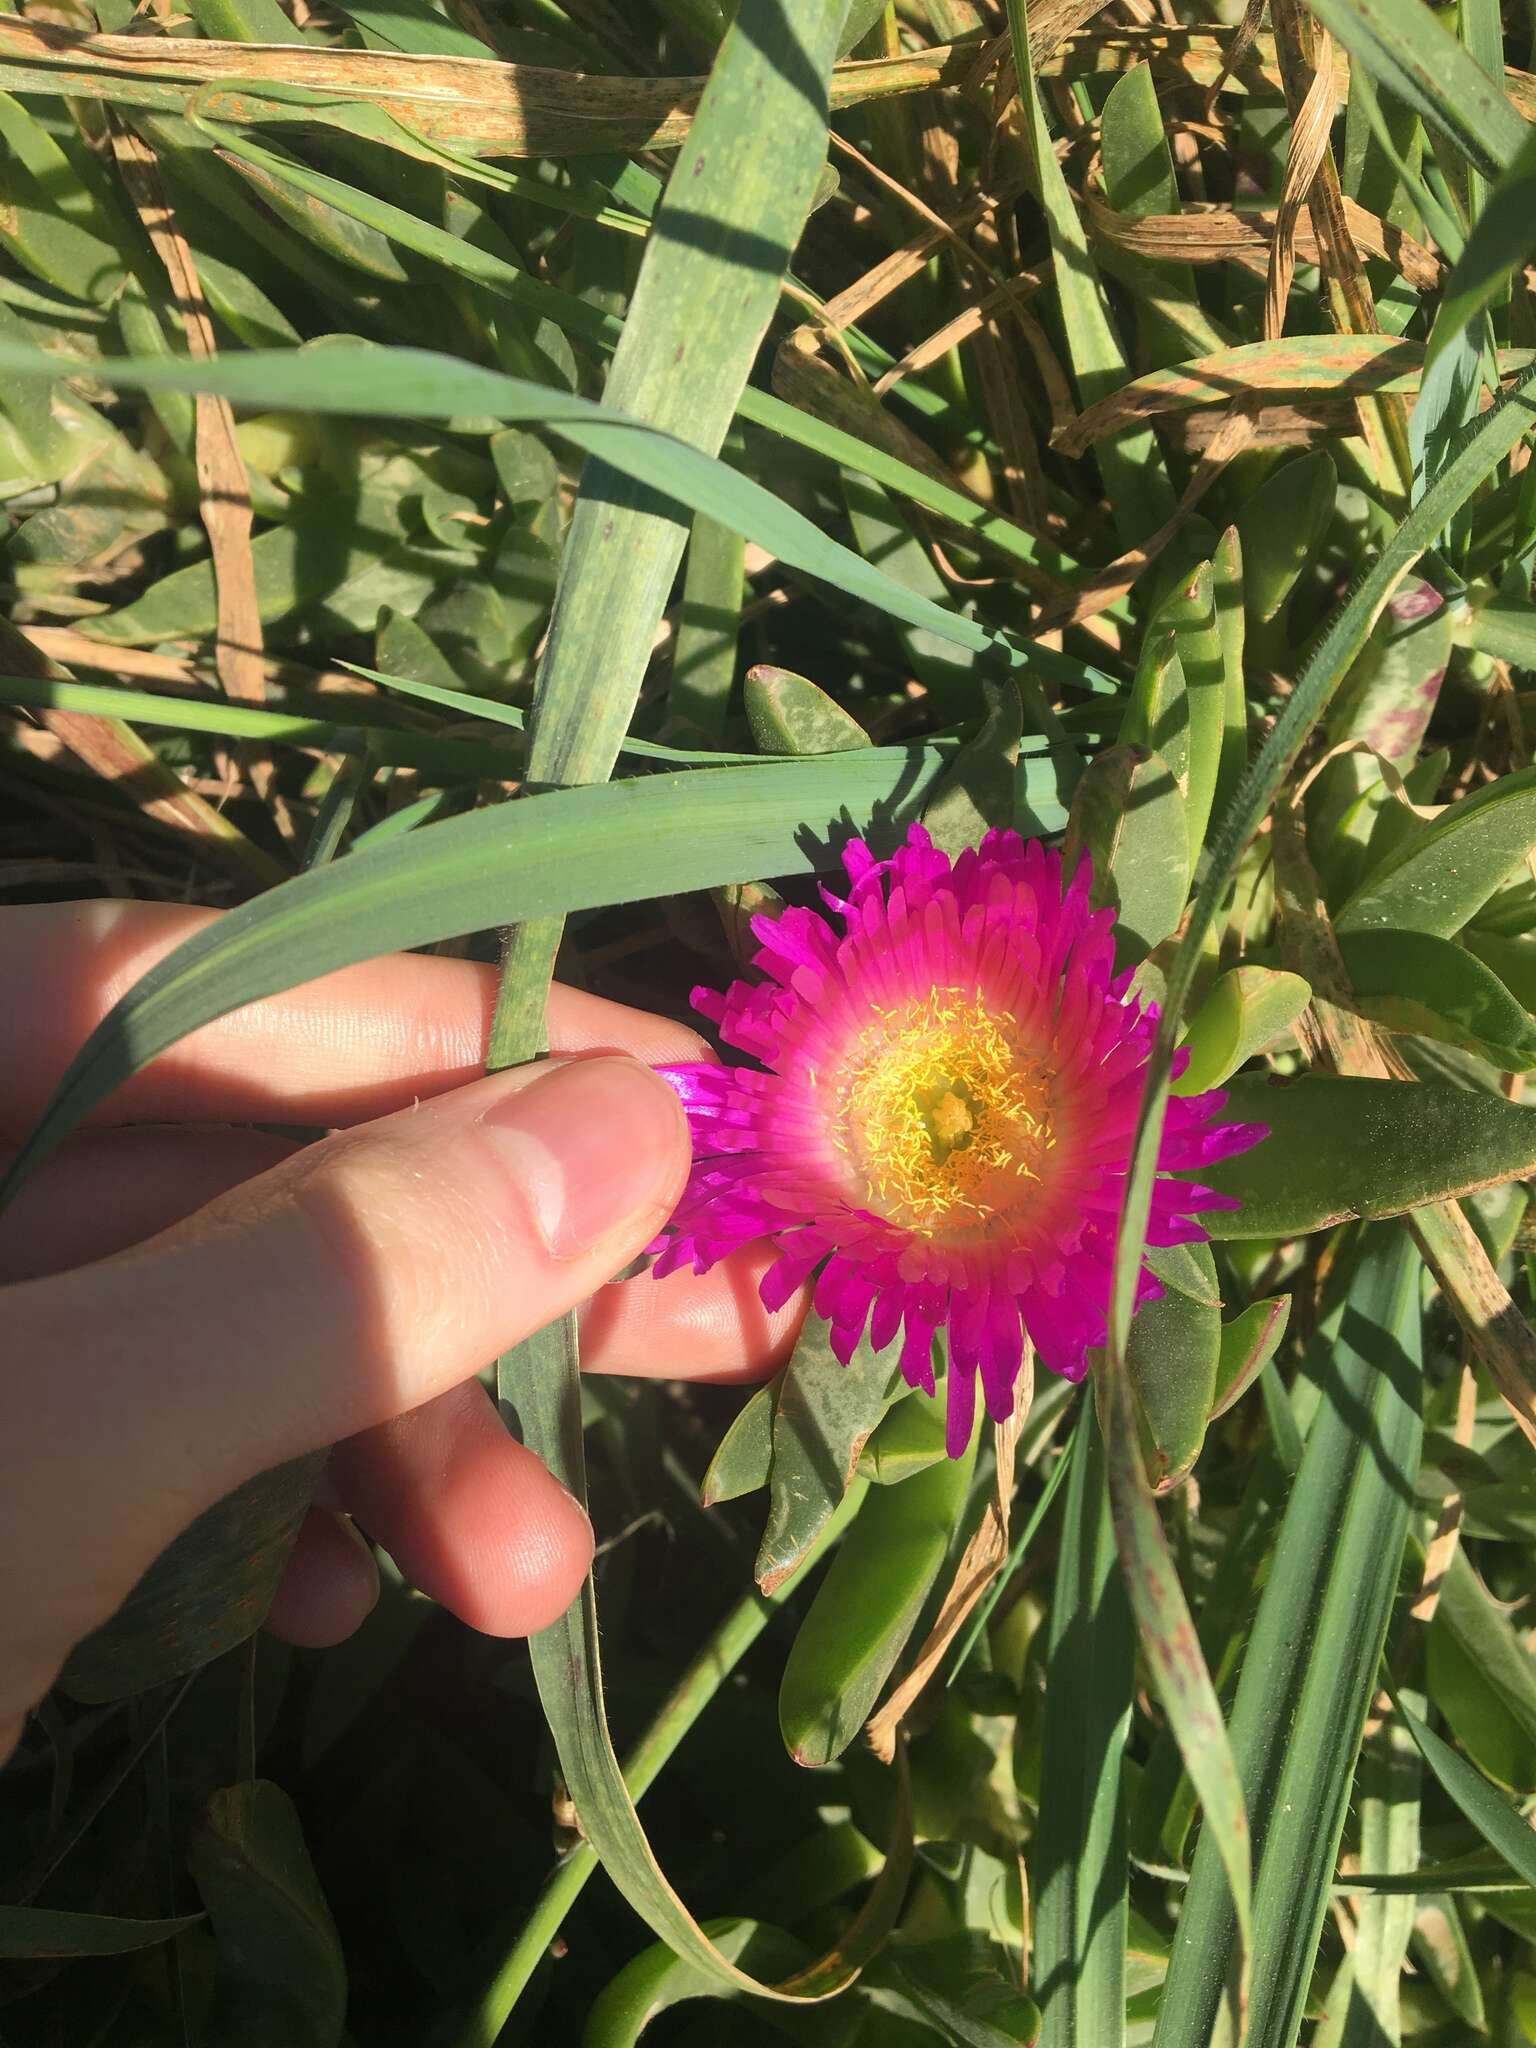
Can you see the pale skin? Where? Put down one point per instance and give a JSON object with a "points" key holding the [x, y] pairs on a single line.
{"points": [[187, 1303]]}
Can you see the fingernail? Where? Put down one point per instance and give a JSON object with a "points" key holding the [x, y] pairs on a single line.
{"points": [[594, 1145]]}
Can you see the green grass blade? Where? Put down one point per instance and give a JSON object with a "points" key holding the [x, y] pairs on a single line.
{"points": [[1312, 1658], [542, 857], [1500, 1826], [406, 383], [1403, 46], [1078, 1867], [568, 1670]]}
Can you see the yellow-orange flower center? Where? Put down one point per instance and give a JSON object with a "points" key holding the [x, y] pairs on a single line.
{"points": [[941, 1113]]}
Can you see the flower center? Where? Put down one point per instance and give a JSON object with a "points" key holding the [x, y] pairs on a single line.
{"points": [[941, 1113]]}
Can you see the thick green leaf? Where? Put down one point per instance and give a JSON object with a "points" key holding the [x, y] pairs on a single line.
{"points": [[979, 790], [1077, 1868], [543, 856], [744, 1455], [1346, 1146], [1129, 816], [1311, 1661], [884, 535], [33, 1933], [1440, 1946], [908, 1439], [964, 1986], [1248, 1343], [823, 1415], [1191, 611], [404, 383], [866, 1608], [1135, 480], [1172, 1359], [1413, 982], [280, 1974], [1390, 693], [1139, 179], [789, 714], [1247, 1010], [1280, 528], [1439, 877]]}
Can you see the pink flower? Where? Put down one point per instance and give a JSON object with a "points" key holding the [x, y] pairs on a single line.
{"points": [[942, 1117]]}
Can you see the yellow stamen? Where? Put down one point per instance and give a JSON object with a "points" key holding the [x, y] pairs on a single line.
{"points": [[943, 1115]]}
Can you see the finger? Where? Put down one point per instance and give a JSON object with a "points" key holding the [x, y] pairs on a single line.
{"points": [[107, 1190], [349, 1047], [468, 1514], [350, 1284], [329, 1586], [689, 1326]]}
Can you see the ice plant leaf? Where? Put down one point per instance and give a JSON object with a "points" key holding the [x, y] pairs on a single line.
{"points": [[1344, 1146], [866, 1608], [1411, 981], [280, 1972], [1248, 1343], [1173, 1356], [744, 1455], [1248, 1009], [1439, 877], [938, 1122], [820, 1422], [1128, 814]]}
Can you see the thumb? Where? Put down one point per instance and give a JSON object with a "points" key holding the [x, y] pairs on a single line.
{"points": [[346, 1286]]}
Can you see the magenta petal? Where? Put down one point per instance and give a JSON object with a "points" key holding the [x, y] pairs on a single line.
{"points": [[960, 1409]]}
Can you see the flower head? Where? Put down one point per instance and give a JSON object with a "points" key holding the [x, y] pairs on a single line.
{"points": [[942, 1118]]}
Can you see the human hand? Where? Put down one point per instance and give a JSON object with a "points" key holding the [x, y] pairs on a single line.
{"points": [[188, 1303]]}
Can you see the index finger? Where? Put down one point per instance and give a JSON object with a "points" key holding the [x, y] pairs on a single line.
{"points": [[341, 1050]]}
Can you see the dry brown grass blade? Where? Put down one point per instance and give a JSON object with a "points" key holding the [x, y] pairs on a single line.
{"points": [[1103, 588], [939, 230], [224, 491], [479, 104], [983, 1559], [1310, 131], [999, 371], [1274, 426], [115, 752], [855, 301], [142, 664], [1243, 38], [1305, 53], [1219, 234], [1330, 365], [1338, 1038], [1199, 54], [968, 321]]}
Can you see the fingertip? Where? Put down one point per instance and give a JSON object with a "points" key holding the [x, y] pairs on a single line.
{"points": [[471, 1517], [329, 1587], [709, 1326]]}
